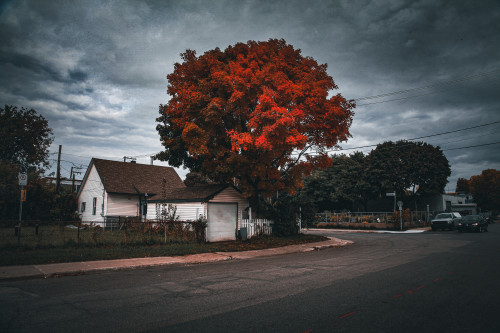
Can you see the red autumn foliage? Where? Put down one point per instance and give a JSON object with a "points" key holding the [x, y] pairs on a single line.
{"points": [[253, 112]]}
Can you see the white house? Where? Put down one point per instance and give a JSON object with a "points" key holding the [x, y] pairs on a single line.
{"points": [[456, 202], [223, 206], [112, 188]]}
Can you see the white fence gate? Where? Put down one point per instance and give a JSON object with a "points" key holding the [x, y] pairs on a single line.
{"points": [[257, 227]]}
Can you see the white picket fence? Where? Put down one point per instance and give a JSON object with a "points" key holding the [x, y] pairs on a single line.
{"points": [[257, 227]]}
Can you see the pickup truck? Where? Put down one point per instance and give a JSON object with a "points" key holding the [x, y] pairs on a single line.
{"points": [[445, 221]]}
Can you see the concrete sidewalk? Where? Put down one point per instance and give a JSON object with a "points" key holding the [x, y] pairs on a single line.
{"points": [[372, 231], [78, 268]]}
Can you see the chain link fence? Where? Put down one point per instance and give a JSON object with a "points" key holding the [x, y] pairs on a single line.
{"points": [[373, 220], [120, 231]]}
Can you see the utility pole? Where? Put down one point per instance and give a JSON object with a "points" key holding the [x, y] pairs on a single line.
{"points": [[72, 177], [58, 175]]}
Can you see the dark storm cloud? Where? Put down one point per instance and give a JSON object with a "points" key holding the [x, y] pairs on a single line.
{"points": [[96, 69], [77, 75], [29, 63]]}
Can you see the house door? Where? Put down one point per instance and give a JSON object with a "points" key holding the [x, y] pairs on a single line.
{"points": [[222, 219]]}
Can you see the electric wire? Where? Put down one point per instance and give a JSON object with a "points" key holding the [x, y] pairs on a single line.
{"points": [[474, 146], [421, 137], [439, 84]]}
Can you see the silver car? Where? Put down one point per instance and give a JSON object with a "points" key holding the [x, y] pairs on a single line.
{"points": [[446, 221]]}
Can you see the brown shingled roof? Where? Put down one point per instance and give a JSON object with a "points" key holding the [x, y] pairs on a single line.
{"points": [[192, 193], [128, 178]]}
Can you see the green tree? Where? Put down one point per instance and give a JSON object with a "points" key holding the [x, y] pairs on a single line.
{"points": [[24, 141], [485, 188], [25, 137], [342, 185], [409, 168]]}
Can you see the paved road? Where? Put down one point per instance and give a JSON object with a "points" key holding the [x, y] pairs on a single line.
{"points": [[429, 282]]}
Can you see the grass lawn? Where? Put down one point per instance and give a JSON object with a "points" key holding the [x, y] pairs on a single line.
{"points": [[55, 244]]}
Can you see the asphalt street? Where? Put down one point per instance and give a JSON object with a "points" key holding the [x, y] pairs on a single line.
{"points": [[426, 282]]}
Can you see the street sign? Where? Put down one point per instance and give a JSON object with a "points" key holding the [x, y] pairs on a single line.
{"points": [[23, 195], [390, 194], [400, 205], [23, 179]]}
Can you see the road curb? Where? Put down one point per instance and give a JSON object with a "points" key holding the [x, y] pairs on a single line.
{"points": [[80, 268], [409, 231]]}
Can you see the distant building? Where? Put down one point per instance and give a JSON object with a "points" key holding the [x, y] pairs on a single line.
{"points": [[65, 183], [454, 202]]}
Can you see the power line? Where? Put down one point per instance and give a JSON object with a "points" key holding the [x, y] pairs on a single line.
{"points": [[484, 144], [396, 99], [423, 137], [459, 130], [444, 83]]}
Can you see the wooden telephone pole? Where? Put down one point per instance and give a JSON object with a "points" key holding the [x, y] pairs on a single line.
{"points": [[58, 175]]}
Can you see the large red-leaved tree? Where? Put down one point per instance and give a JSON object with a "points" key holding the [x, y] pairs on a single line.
{"points": [[258, 113]]}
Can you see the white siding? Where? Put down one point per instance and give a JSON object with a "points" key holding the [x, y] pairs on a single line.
{"points": [[231, 195], [92, 188], [122, 205], [186, 211]]}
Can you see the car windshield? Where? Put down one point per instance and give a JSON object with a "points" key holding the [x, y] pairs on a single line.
{"points": [[471, 218], [443, 216]]}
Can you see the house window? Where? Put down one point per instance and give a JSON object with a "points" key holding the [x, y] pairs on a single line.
{"points": [[82, 208], [94, 205]]}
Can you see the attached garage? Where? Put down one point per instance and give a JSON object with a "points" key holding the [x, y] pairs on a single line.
{"points": [[222, 221], [222, 205]]}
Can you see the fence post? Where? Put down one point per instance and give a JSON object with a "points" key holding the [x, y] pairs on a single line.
{"points": [[125, 230], [165, 231], [250, 222], [300, 219]]}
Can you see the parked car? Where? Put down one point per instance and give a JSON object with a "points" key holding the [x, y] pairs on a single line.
{"points": [[473, 223], [445, 221]]}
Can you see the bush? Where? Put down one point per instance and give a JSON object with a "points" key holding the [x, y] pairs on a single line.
{"points": [[284, 213]]}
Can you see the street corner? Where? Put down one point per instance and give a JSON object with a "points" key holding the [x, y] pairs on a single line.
{"points": [[333, 242]]}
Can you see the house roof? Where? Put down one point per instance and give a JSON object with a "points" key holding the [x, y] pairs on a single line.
{"points": [[134, 178], [201, 193]]}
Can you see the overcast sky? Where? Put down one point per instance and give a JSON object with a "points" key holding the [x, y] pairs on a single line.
{"points": [[96, 70]]}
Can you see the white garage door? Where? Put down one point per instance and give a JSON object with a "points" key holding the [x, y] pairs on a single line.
{"points": [[222, 221]]}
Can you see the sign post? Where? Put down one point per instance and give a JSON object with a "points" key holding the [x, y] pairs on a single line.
{"points": [[23, 181], [392, 194], [400, 205]]}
